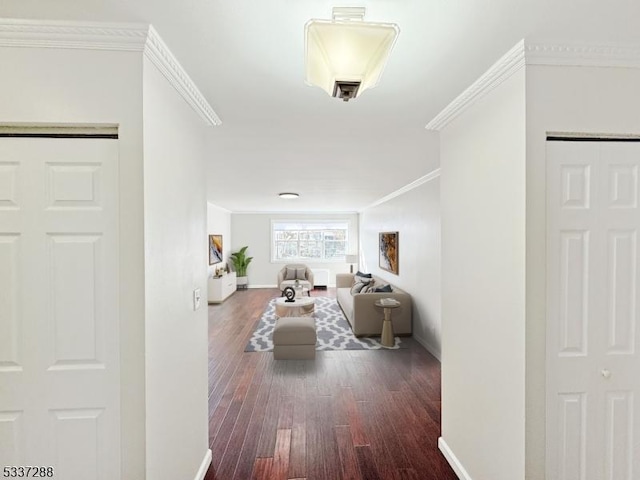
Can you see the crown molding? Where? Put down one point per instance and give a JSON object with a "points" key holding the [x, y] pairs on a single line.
{"points": [[500, 71], [108, 36], [416, 183], [528, 52], [584, 55], [160, 55], [59, 34]]}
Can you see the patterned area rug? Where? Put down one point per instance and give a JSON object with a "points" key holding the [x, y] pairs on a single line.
{"points": [[332, 328]]}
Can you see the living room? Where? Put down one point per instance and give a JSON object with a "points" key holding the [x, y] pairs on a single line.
{"points": [[413, 214], [114, 346]]}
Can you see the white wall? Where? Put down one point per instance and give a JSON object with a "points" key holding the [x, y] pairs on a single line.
{"points": [[219, 223], [416, 216], [89, 86], [176, 259], [561, 99], [105, 87], [254, 230], [483, 284]]}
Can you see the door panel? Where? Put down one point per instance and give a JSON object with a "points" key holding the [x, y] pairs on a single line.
{"points": [[593, 219], [59, 324], [572, 431], [619, 435], [574, 291], [621, 250], [9, 317]]}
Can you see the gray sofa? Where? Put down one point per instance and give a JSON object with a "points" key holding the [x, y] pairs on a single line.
{"points": [[363, 316]]}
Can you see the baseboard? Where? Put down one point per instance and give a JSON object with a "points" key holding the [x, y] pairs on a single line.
{"points": [[453, 460], [428, 347], [204, 466]]}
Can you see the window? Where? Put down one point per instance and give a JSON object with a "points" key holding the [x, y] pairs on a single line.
{"points": [[309, 241]]}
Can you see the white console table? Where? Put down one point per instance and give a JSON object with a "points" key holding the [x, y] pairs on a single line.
{"points": [[218, 289]]}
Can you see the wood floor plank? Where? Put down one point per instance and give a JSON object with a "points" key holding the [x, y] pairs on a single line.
{"points": [[356, 427], [408, 474], [280, 468], [314, 458], [327, 435], [285, 412], [223, 435], [229, 458], [235, 445], [247, 455], [297, 460], [262, 469], [347, 453], [267, 442], [367, 465], [389, 454]]}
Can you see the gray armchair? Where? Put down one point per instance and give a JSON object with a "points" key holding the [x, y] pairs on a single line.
{"points": [[290, 273]]}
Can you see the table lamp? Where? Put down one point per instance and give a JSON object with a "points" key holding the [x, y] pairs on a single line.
{"points": [[351, 259]]}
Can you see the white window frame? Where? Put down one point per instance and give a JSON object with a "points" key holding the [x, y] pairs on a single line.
{"points": [[319, 222]]}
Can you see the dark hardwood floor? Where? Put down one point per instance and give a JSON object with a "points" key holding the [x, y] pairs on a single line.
{"points": [[346, 415]]}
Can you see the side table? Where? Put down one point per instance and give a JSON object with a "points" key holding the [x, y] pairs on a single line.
{"points": [[387, 339]]}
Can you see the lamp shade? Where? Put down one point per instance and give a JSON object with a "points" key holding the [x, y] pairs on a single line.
{"points": [[351, 258], [343, 53]]}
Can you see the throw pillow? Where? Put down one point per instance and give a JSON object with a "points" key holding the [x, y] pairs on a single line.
{"points": [[357, 287], [365, 275], [291, 274], [360, 284], [357, 278], [301, 273], [369, 288], [384, 288]]}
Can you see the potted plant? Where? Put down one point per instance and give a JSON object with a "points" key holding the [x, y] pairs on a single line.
{"points": [[240, 263]]}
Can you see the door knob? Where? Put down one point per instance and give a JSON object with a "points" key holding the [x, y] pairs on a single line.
{"points": [[605, 373]]}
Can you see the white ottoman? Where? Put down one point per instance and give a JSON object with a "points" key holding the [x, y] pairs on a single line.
{"points": [[294, 338]]}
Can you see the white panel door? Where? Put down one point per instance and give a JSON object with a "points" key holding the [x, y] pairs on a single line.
{"points": [[593, 347], [59, 353]]}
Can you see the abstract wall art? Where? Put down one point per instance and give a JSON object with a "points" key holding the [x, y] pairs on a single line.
{"points": [[388, 251], [215, 249]]}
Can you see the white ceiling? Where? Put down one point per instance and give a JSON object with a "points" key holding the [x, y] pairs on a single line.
{"points": [[279, 134]]}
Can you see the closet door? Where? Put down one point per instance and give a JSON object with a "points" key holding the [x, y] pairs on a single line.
{"points": [[593, 358], [59, 334]]}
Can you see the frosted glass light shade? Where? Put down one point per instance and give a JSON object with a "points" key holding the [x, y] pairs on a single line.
{"points": [[351, 258], [347, 51]]}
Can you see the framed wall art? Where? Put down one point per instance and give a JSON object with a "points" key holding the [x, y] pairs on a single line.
{"points": [[215, 249], [388, 251]]}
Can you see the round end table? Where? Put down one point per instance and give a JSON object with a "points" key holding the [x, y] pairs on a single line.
{"points": [[387, 339]]}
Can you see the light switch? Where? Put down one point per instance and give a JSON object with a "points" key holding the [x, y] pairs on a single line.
{"points": [[196, 299]]}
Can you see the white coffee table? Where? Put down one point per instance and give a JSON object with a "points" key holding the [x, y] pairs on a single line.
{"points": [[300, 307]]}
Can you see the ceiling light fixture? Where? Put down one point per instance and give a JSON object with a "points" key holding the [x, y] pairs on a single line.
{"points": [[346, 56], [288, 195]]}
